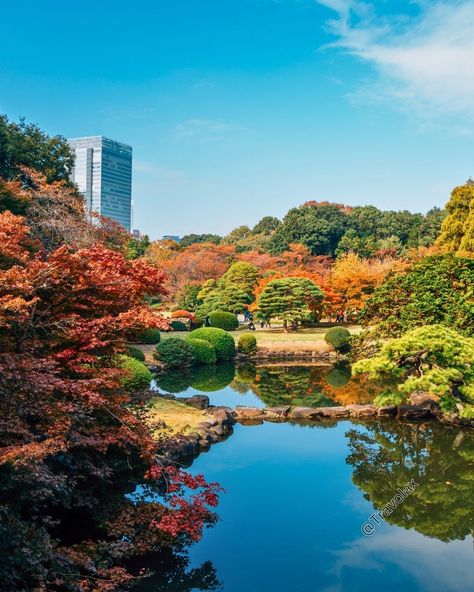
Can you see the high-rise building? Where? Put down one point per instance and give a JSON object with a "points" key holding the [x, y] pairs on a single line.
{"points": [[103, 172]]}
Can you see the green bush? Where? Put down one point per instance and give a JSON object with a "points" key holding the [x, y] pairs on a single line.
{"points": [[175, 353], [149, 336], [247, 344], [213, 378], [220, 339], [178, 326], [136, 353], [339, 338], [204, 351], [137, 377], [224, 320]]}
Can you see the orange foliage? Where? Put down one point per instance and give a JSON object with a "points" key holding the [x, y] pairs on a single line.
{"points": [[354, 279]]}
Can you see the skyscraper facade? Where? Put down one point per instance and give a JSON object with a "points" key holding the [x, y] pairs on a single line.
{"points": [[103, 172]]}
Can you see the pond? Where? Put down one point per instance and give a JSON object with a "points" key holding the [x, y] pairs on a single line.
{"points": [[298, 498], [309, 385]]}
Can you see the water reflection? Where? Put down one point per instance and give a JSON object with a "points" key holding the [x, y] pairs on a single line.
{"points": [[172, 573], [309, 385], [296, 498], [386, 456]]}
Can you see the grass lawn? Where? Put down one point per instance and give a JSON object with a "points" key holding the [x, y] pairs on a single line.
{"points": [[168, 418], [279, 340]]}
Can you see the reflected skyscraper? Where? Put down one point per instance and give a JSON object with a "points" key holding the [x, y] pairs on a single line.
{"points": [[103, 172]]}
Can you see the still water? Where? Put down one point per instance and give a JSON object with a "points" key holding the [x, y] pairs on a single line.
{"points": [[297, 497]]}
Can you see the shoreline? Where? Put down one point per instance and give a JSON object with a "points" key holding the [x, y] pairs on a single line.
{"points": [[218, 421]]}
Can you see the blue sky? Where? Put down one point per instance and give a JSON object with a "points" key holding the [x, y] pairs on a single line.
{"points": [[241, 108]]}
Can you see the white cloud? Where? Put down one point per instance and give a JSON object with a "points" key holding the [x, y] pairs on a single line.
{"points": [[424, 62], [204, 129]]}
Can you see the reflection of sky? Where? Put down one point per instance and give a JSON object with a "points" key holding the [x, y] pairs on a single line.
{"points": [[416, 562], [226, 396], [291, 518]]}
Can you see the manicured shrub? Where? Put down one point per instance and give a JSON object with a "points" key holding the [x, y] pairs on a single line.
{"points": [[137, 377], [339, 338], [220, 339], [149, 336], [178, 326], [247, 344], [136, 353], [204, 351], [224, 320], [175, 353], [213, 378]]}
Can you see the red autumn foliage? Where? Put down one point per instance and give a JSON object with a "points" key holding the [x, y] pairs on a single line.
{"points": [[68, 435]]}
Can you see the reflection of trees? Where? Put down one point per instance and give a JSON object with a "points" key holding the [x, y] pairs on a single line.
{"points": [[172, 574], [64, 527], [206, 378], [212, 377], [176, 381], [386, 457], [291, 385], [309, 386]]}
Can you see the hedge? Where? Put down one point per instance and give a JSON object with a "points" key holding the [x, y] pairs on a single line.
{"points": [[204, 352], [247, 344], [223, 320], [137, 377], [220, 339], [175, 353]]}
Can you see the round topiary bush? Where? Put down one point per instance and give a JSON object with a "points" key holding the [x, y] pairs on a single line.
{"points": [[175, 353], [135, 353], [149, 336], [204, 351], [224, 320], [137, 377], [339, 338], [247, 344], [213, 378], [178, 326], [223, 342]]}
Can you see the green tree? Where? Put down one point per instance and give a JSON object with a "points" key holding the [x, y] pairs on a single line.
{"points": [[191, 239], [457, 231], [267, 225], [438, 289], [291, 299], [317, 226], [433, 359], [136, 247], [23, 144], [233, 292]]}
